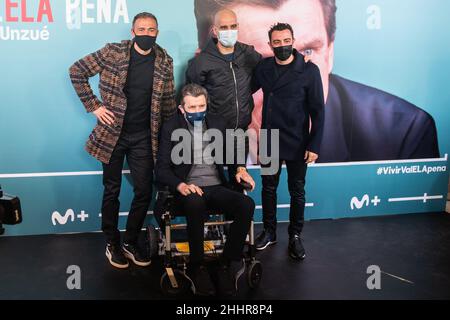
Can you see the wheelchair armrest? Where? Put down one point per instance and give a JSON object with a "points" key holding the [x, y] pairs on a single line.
{"points": [[163, 203], [164, 193]]}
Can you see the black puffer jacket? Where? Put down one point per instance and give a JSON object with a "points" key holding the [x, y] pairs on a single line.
{"points": [[228, 83]]}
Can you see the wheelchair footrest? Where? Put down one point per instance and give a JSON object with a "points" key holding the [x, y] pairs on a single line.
{"points": [[208, 246]]}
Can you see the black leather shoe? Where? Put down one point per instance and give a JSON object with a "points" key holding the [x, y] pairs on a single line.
{"points": [[203, 285], [265, 239], [295, 249], [228, 275]]}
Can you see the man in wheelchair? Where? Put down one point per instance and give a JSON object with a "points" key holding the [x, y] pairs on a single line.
{"points": [[196, 178]]}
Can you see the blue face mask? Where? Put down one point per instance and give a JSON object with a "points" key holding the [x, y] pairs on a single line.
{"points": [[194, 117], [228, 38]]}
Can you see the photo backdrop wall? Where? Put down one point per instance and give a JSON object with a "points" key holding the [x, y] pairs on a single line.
{"points": [[389, 60]]}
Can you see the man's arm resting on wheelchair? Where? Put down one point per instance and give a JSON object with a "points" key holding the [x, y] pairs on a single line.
{"points": [[243, 177], [163, 170]]}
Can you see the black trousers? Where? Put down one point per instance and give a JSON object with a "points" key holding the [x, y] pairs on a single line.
{"points": [[236, 206], [138, 151], [296, 171]]}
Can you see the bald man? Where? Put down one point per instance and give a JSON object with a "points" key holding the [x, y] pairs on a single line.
{"points": [[225, 67]]}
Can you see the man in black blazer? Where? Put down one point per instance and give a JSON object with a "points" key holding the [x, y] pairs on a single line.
{"points": [[196, 176], [293, 95]]}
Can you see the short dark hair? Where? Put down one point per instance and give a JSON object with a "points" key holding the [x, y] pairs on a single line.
{"points": [[280, 27], [144, 15], [193, 90], [206, 9]]}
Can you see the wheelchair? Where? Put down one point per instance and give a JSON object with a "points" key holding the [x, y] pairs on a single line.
{"points": [[162, 243]]}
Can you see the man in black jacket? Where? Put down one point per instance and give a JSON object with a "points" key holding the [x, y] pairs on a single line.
{"points": [[197, 178], [293, 95], [224, 67]]}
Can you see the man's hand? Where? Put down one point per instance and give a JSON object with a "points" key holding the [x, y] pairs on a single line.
{"points": [[187, 189], [311, 157], [104, 116], [242, 175]]}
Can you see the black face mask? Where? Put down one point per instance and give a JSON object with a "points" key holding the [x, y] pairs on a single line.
{"points": [[145, 42], [283, 53]]}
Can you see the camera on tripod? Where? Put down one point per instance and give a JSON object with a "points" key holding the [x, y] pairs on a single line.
{"points": [[10, 210]]}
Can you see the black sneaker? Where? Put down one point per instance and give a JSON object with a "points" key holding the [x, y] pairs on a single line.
{"points": [[228, 276], [116, 256], [201, 279], [265, 239], [133, 253], [295, 248]]}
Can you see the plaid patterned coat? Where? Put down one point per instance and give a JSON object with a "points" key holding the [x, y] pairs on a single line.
{"points": [[111, 62]]}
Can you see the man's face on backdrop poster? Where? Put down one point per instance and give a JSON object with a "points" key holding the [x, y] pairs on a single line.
{"points": [[307, 20], [361, 123]]}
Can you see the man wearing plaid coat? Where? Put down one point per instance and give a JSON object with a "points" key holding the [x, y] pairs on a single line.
{"points": [[137, 95]]}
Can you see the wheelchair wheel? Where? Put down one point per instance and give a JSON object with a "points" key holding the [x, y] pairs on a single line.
{"points": [[183, 284], [254, 274], [153, 238]]}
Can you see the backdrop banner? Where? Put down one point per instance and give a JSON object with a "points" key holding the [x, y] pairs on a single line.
{"points": [[385, 70]]}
